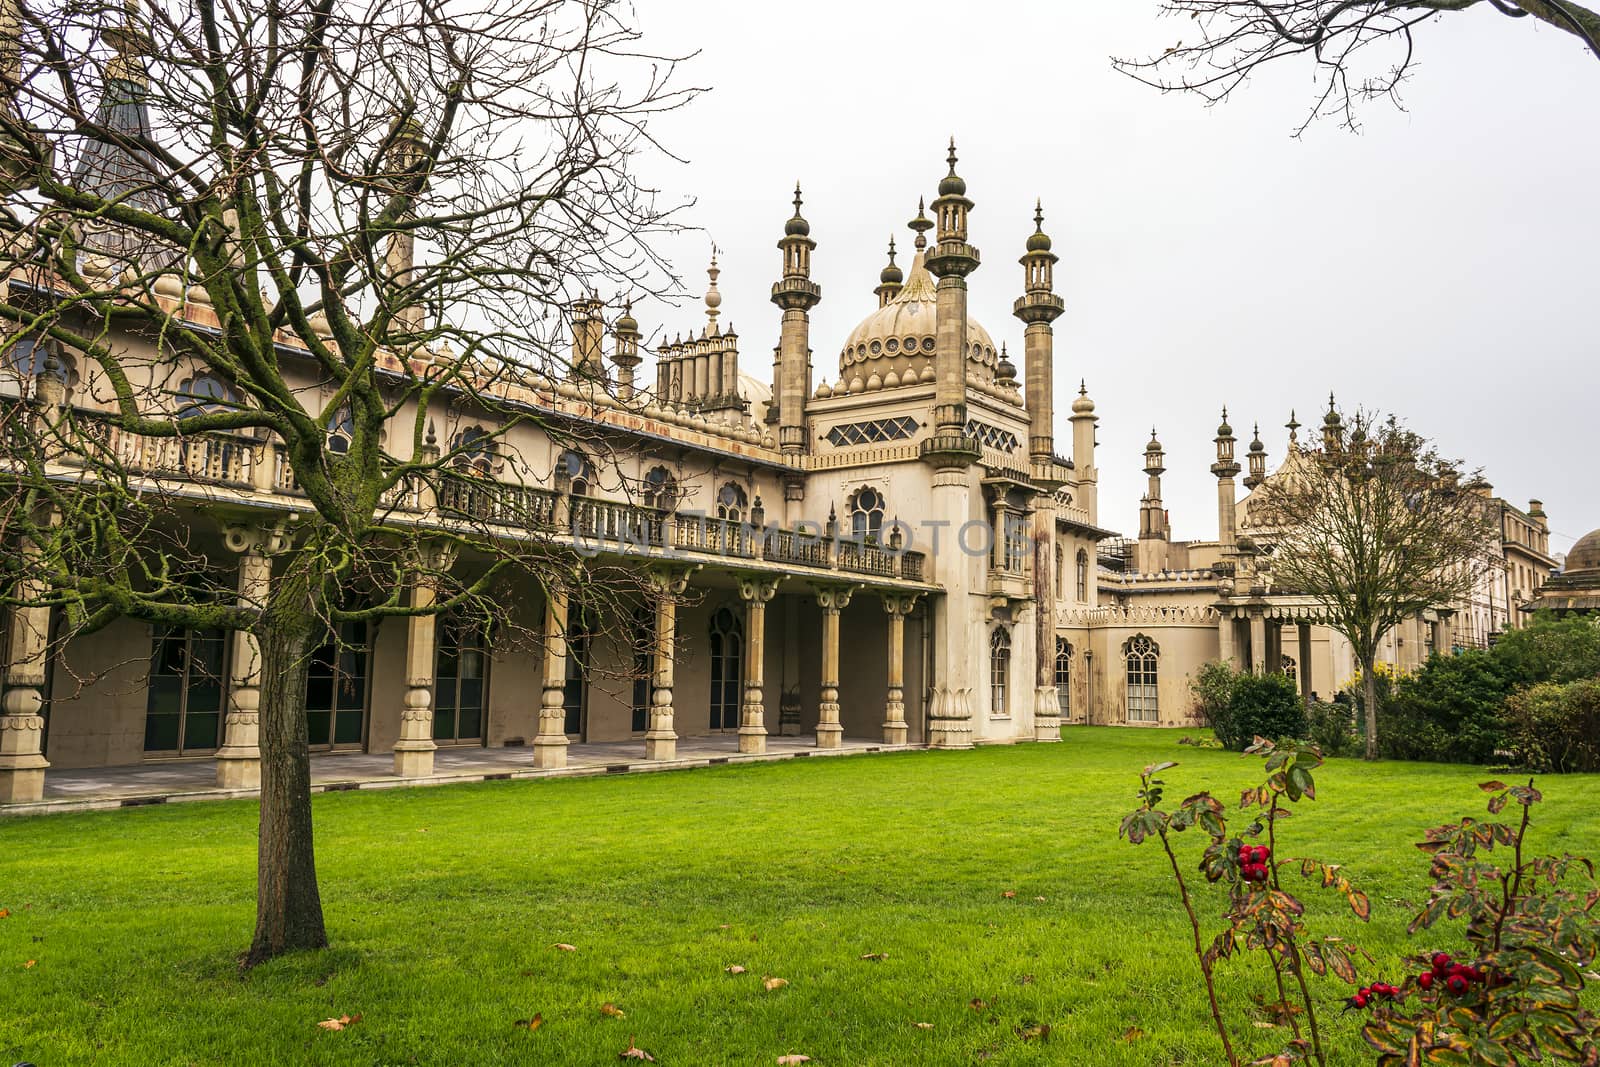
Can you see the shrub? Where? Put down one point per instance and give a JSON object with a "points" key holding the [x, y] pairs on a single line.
{"points": [[1213, 692], [1332, 728], [1551, 649], [1449, 710], [1554, 727], [1265, 705]]}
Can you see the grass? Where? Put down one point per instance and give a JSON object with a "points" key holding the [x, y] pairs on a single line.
{"points": [[444, 906]]}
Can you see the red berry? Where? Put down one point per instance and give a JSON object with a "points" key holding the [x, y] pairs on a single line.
{"points": [[1360, 999], [1474, 975], [1261, 852], [1456, 984], [1425, 980], [1245, 854], [1441, 962]]}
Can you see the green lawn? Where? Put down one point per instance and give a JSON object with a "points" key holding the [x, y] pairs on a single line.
{"points": [[444, 906]]}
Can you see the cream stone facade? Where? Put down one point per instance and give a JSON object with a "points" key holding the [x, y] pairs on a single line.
{"points": [[903, 555]]}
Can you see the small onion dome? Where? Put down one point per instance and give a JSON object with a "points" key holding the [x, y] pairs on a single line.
{"points": [[797, 226], [1332, 417], [892, 274], [824, 390], [1154, 445], [1005, 370], [627, 323], [1083, 405], [952, 185], [1038, 240], [1224, 430], [1255, 445]]}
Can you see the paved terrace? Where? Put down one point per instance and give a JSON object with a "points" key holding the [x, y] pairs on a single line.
{"points": [[177, 781]]}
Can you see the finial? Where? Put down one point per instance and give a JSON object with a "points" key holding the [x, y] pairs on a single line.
{"points": [[1083, 387], [891, 248], [1224, 413], [797, 226], [433, 436], [713, 297], [1330, 400], [921, 224], [951, 158], [797, 200], [1152, 431], [1292, 425], [1038, 216]]}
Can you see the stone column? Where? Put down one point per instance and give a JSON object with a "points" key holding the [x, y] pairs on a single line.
{"points": [[756, 590], [898, 606], [832, 600], [1258, 641], [1225, 642], [1305, 661], [550, 743], [239, 758], [1274, 663], [413, 752], [668, 583], [22, 762]]}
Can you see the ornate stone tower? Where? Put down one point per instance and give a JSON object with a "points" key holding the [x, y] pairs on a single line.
{"points": [[1257, 459], [1083, 443], [796, 294], [890, 280], [1038, 307], [1226, 468], [626, 356], [587, 333], [951, 260], [1153, 536], [1332, 428]]}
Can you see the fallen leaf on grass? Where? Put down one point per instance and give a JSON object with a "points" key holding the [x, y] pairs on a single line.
{"points": [[1025, 979], [634, 1052], [976, 1004], [724, 926], [734, 968], [564, 947], [1265, 1026], [795, 1058], [877, 956], [1039, 899], [923, 1026], [29, 964], [343, 1022], [774, 983], [1009, 894], [1132, 1033], [612, 1010], [5, 913], [1035, 1032], [531, 1024]]}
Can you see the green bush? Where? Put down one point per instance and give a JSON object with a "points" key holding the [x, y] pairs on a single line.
{"points": [[1265, 705], [1555, 727], [1551, 649], [1449, 711], [1332, 729], [1213, 692]]}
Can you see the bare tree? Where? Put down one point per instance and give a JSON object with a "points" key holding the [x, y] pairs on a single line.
{"points": [[1377, 527], [328, 247], [1362, 49]]}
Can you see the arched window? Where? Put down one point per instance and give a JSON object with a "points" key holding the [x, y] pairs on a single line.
{"points": [[1063, 676], [574, 473], [660, 489], [866, 513], [206, 393], [474, 450], [1291, 669], [727, 669], [1083, 576], [341, 428], [461, 667], [1061, 568], [1144, 661], [25, 358], [731, 502], [999, 669]]}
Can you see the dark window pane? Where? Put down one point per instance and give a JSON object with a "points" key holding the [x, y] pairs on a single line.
{"points": [[200, 731], [471, 693], [317, 723], [444, 725], [160, 733], [347, 730], [205, 695], [319, 693], [164, 695], [471, 724]]}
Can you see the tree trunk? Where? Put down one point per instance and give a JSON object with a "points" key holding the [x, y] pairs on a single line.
{"points": [[288, 905], [1369, 685]]}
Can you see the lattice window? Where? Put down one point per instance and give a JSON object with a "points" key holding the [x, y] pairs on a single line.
{"points": [[999, 669], [1144, 666], [992, 436], [872, 432], [1063, 677]]}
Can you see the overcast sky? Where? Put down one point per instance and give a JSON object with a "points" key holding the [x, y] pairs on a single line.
{"points": [[1441, 264]]}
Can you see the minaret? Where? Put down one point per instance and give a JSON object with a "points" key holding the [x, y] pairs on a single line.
{"points": [[890, 279], [1332, 428], [408, 152], [1038, 307], [1083, 424], [1257, 459], [951, 260], [626, 356], [796, 294], [587, 332], [1152, 551], [1226, 469]]}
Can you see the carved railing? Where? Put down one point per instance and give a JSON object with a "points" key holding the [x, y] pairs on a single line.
{"points": [[721, 537]]}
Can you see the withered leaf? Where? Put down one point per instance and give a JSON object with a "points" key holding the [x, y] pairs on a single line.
{"points": [[874, 955], [792, 1058], [1132, 1033], [1009, 894], [734, 968], [562, 946], [343, 1022], [1036, 1032], [634, 1052], [769, 984], [978, 1004], [612, 1010], [531, 1024], [923, 1026], [5, 913], [29, 964]]}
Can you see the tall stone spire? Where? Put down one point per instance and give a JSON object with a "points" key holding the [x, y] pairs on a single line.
{"points": [[1226, 468], [626, 355], [1083, 446], [890, 279], [1332, 427], [951, 260], [713, 297], [795, 294], [1152, 550], [1258, 461], [1038, 307]]}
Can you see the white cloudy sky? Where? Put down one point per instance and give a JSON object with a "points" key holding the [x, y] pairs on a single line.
{"points": [[1441, 264]]}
